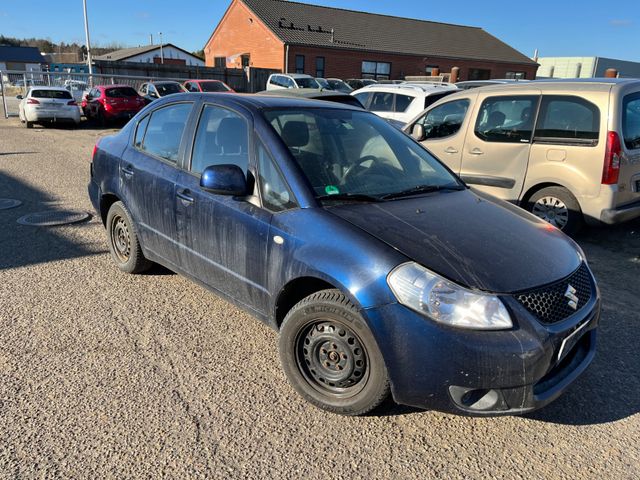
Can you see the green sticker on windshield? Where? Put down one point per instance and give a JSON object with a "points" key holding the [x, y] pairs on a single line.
{"points": [[331, 190]]}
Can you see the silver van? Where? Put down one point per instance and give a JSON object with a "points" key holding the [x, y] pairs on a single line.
{"points": [[566, 150]]}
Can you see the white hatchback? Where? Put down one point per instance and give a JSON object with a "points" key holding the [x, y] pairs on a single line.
{"points": [[403, 101], [48, 104]]}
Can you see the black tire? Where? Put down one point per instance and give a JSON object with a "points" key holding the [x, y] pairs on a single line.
{"points": [[123, 241], [101, 121], [331, 357], [28, 124], [559, 207]]}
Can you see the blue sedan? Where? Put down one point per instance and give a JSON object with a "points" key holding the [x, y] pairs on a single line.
{"points": [[383, 273]]}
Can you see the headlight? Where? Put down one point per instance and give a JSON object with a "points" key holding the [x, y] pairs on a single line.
{"points": [[429, 294]]}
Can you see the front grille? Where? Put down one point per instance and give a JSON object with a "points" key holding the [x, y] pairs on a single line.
{"points": [[549, 303]]}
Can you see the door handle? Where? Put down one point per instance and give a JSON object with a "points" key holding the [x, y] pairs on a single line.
{"points": [[476, 151], [127, 170], [450, 150], [184, 197]]}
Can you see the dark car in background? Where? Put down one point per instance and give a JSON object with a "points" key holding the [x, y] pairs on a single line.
{"points": [[357, 83], [211, 86], [154, 90], [381, 270], [106, 103]]}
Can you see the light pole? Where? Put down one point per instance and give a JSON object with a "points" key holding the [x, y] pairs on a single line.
{"points": [[86, 33], [161, 51]]}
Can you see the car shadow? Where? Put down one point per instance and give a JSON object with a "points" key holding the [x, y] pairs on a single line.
{"points": [[22, 245]]}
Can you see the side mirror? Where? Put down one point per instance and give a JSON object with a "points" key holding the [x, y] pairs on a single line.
{"points": [[153, 94], [224, 180], [19, 97], [417, 132]]}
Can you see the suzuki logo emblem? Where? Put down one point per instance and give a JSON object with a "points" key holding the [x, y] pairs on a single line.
{"points": [[571, 295]]}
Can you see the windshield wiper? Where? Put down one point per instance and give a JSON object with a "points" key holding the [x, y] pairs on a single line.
{"points": [[417, 190], [350, 197]]}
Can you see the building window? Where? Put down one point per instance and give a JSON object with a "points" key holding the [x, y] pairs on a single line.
{"points": [[429, 69], [220, 62], [516, 75], [299, 63], [376, 70], [245, 60], [320, 67], [479, 74]]}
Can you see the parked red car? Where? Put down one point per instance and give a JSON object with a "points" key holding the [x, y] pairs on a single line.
{"points": [[207, 86], [106, 103]]}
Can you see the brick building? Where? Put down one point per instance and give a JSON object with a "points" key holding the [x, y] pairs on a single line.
{"points": [[331, 42]]}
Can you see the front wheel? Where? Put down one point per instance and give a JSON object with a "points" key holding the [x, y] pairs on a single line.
{"points": [[559, 207], [124, 244], [331, 357]]}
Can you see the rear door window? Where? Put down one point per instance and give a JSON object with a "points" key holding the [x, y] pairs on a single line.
{"points": [[403, 102], [445, 120], [382, 102], [221, 138], [506, 119], [631, 121], [567, 118], [164, 131]]}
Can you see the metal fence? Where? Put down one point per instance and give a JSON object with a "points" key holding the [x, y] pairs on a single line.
{"points": [[14, 83]]}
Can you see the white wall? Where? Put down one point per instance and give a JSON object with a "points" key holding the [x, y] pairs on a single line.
{"points": [[168, 52], [566, 67]]}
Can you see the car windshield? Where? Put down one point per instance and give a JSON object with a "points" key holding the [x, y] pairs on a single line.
{"points": [[348, 154], [168, 88], [121, 92], [59, 94], [323, 83], [307, 83], [213, 87]]}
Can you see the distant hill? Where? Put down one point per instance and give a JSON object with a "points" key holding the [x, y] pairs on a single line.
{"points": [[47, 46]]}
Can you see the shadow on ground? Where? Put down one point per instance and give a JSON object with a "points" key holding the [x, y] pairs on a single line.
{"points": [[22, 245]]}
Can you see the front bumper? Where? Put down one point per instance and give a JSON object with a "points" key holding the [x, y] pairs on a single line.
{"points": [[483, 373]]}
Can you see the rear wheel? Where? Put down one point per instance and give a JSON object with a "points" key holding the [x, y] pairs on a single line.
{"points": [[559, 207], [28, 124], [331, 357], [123, 241]]}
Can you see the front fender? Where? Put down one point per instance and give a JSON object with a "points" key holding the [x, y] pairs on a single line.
{"points": [[314, 243]]}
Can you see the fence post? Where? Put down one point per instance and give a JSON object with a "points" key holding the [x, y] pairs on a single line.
{"points": [[4, 97]]}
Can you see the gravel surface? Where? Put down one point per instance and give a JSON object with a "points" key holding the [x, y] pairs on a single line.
{"points": [[104, 374]]}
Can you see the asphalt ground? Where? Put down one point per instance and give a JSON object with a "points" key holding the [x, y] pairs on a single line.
{"points": [[107, 375]]}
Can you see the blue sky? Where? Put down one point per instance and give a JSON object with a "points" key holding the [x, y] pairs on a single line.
{"points": [[555, 27]]}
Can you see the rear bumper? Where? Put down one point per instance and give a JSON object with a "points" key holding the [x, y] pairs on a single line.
{"points": [[53, 116], [120, 114], [94, 195], [620, 214]]}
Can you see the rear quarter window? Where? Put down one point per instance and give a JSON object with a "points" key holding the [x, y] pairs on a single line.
{"points": [[631, 121], [568, 118]]}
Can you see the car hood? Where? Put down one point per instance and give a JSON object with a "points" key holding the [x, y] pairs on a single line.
{"points": [[473, 239]]}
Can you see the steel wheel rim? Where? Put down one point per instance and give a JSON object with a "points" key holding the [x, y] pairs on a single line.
{"points": [[332, 358], [552, 210], [120, 238]]}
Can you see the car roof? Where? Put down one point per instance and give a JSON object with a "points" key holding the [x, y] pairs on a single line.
{"points": [[423, 88], [296, 75], [155, 82], [198, 80], [569, 84], [116, 85], [304, 93], [38, 87], [253, 101]]}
